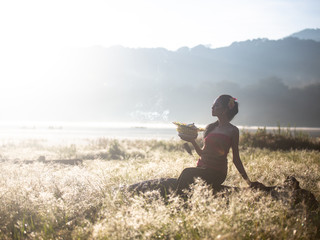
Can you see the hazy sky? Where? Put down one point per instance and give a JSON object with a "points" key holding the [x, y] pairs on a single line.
{"points": [[150, 23]]}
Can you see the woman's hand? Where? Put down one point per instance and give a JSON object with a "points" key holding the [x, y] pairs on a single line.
{"points": [[192, 140], [188, 138]]}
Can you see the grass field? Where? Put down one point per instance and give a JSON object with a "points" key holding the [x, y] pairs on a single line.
{"points": [[56, 201]]}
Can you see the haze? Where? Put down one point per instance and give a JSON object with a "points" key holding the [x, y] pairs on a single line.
{"points": [[44, 44]]}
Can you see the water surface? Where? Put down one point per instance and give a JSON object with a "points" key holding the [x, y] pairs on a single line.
{"points": [[74, 132]]}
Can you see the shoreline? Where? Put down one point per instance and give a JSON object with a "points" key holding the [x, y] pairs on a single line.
{"points": [[56, 134]]}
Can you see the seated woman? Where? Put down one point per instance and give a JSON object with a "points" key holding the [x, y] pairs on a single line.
{"points": [[219, 137]]}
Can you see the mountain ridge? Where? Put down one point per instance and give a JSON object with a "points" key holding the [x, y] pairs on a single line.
{"points": [[274, 80], [308, 34]]}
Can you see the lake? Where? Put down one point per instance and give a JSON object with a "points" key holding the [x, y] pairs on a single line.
{"points": [[75, 132]]}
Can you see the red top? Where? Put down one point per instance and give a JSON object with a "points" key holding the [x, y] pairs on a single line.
{"points": [[215, 151]]}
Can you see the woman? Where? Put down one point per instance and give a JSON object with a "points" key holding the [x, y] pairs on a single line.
{"points": [[219, 137]]}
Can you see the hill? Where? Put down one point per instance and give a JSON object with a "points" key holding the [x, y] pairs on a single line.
{"points": [[309, 34], [274, 80]]}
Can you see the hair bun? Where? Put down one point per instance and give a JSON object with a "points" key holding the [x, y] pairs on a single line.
{"points": [[231, 102]]}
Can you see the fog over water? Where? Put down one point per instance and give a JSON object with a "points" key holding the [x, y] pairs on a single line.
{"points": [[81, 132]]}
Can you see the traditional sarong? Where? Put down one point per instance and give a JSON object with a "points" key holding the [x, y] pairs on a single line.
{"points": [[212, 166]]}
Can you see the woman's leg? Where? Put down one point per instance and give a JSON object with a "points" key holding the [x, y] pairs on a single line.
{"points": [[186, 178], [188, 175]]}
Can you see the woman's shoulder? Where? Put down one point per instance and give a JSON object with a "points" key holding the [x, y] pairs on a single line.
{"points": [[210, 125], [234, 130], [209, 128]]}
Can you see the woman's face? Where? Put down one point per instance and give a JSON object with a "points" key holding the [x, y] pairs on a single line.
{"points": [[217, 108]]}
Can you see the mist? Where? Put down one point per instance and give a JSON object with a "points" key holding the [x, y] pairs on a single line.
{"points": [[275, 81]]}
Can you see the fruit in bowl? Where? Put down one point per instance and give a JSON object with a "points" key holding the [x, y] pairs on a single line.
{"points": [[188, 130]]}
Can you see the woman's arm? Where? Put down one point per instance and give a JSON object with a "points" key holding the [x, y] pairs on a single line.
{"points": [[196, 147], [236, 157], [193, 142]]}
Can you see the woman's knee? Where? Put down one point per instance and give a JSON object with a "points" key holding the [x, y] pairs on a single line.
{"points": [[188, 171], [188, 174]]}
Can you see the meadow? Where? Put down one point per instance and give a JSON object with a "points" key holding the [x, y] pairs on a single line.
{"points": [[87, 201]]}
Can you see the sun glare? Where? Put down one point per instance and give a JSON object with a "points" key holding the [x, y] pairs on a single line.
{"points": [[35, 32]]}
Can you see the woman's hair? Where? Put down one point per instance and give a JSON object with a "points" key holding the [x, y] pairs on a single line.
{"points": [[229, 103]]}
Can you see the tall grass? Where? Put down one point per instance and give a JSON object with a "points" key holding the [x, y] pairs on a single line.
{"points": [[52, 201], [280, 139]]}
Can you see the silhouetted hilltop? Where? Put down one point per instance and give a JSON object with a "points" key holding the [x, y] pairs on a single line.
{"points": [[308, 34], [293, 60]]}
